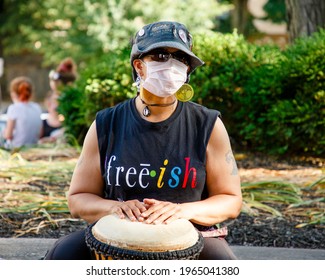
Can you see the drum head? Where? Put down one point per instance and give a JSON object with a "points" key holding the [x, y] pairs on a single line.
{"points": [[122, 233]]}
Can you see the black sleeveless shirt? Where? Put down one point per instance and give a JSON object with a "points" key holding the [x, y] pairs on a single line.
{"points": [[164, 160]]}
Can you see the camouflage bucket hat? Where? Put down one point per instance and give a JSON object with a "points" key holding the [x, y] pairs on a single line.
{"points": [[163, 34]]}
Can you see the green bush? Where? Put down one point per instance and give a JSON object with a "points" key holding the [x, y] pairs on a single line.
{"points": [[237, 79], [258, 94], [228, 60], [72, 106], [298, 114], [271, 100]]}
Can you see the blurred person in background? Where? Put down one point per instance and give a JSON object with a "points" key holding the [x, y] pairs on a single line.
{"points": [[24, 122], [65, 74], [52, 129]]}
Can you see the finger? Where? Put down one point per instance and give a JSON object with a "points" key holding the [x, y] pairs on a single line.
{"points": [[128, 211], [171, 213], [152, 209], [150, 201], [167, 217], [171, 219], [161, 214], [133, 209], [141, 206], [119, 213], [138, 209]]}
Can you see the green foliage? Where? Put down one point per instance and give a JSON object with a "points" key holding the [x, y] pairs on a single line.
{"points": [[55, 29], [297, 115], [270, 100], [261, 195], [237, 79], [88, 29], [226, 67], [258, 94], [71, 106], [270, 196]]}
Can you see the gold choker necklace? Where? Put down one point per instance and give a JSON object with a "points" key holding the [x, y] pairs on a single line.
{"points": [[146, 111]]}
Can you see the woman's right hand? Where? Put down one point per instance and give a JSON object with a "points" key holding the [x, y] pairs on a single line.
{"points": [[131, 209]]}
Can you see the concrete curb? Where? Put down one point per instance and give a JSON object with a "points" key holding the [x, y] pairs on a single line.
{"points": [[35, 249]]}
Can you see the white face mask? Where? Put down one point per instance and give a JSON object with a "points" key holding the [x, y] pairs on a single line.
{"points": [[165, 78]]}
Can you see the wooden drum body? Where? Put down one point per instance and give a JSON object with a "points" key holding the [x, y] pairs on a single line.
{"points": [[120, 239]]}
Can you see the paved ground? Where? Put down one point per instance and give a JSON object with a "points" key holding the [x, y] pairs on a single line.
{"points": [[35, 249]]}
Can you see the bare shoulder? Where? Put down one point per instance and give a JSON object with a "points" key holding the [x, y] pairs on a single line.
{"points": [[90, 146], [219, 151], [222, 171], [219, 138]]}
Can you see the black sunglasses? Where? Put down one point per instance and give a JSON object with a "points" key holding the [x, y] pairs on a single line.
{"points": [[161, 55]]}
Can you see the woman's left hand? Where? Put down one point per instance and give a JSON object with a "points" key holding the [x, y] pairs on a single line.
{"points": [[159, 212]]}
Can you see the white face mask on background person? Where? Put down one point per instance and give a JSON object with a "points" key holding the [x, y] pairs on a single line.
{"points": [[165, 78]]}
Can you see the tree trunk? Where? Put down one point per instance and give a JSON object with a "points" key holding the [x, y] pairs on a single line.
{"points": [[240, 16], [304, 17]]}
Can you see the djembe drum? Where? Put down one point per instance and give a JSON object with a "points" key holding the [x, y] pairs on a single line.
{"points": [[112, 238]]}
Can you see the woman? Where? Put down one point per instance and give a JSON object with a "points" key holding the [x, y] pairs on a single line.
{"points": [[23, 116], [155, 159], [65, 74]]}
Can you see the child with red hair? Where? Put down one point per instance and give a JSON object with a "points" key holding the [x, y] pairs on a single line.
{"points": [[23, 116]]}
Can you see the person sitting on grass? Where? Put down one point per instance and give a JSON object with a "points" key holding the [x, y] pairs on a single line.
{"points": [[24, 122]]}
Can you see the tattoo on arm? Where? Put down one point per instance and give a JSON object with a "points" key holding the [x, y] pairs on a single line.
{"points": [[231, 160]]}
